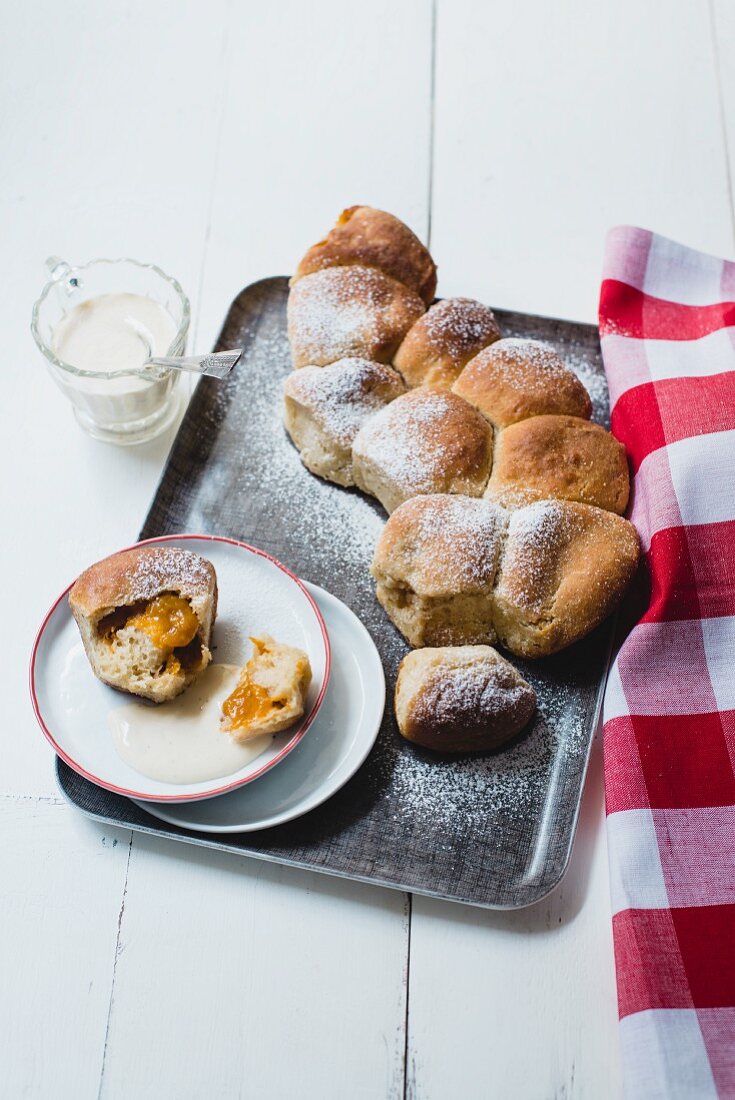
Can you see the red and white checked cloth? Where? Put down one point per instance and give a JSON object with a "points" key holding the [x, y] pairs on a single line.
{"points": [[667, 324]]}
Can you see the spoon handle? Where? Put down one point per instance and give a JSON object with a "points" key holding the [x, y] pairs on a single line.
{"points": [[216, 364]]}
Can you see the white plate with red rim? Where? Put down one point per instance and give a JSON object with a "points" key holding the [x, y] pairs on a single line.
{"points": [[257, 595]]}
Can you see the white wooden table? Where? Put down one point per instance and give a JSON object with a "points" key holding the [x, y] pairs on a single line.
{"points": [[218, 139]]}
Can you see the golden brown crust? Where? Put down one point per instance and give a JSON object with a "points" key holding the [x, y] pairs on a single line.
{"points": [[564, 568], [343, 312], [514, 379], [140, 574], [426, 441], [562, 457], [441, 342], [373, 238], [461, 699]]}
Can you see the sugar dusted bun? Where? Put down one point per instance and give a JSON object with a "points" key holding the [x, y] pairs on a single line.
{"points": [[326, 406], [427, 441], [514, 379], [564, 568], [441, 342], [349, 311], [461, 699], [146, 617], [435, 565], [372, 238], [561, 457]]}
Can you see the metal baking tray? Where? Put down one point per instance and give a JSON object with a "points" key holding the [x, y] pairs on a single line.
{"points": [[490, 830]]}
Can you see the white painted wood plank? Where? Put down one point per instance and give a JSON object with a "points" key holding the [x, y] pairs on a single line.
{"points": [[555, 122], [62, 884], [326, 106], [722, 22], [519, 1004], [238, 978], [109, 147]]}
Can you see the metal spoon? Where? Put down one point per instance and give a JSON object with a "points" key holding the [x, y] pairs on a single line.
{"points": [[216, 364]]}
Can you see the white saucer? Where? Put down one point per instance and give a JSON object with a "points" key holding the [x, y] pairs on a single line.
{"points": [[256, 595], [338, 742]]}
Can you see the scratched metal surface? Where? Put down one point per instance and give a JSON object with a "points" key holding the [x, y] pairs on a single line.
{"points": [[490, 830]]}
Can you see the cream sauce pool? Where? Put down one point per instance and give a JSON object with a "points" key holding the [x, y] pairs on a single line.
{"points": [[181, 741]]}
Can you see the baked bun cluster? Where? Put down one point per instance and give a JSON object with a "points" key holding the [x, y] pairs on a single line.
{"points": [[458, 571], [146, 617], [505, 500]]}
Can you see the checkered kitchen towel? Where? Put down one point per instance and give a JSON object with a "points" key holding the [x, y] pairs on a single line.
{"points": [[667, 323]]}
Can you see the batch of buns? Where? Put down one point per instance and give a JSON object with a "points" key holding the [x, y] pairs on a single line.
{"points": [[505, 501]]}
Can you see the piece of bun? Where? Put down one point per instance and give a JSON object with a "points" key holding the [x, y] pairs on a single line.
{"points": [[372, 238], [146, 616], [514, 379], [326, 406], [441, 342], [461, 699], [562, 457], [435, 565], [271, 692], [349, 311], [564, 568], [428, 441]]}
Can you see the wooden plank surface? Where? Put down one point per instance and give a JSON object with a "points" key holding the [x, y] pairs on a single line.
{"points": [[62, 888], [217, 140], [236, 979]]}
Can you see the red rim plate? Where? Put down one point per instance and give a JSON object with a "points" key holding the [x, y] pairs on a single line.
{"points": [[287, 748]]}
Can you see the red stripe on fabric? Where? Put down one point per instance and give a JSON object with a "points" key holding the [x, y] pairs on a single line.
{"points": [[712, 550], [650, 970], [625, 783], [692, 572], [636, 421], [626, 311], [673, 761], [706, 936], [673, 579], [652, 415]]}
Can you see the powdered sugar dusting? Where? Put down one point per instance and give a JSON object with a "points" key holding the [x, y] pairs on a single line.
{"points": [[342, 311], [160, 566], [342, 395], [459, 327], [535, 535], [469, 689], [425, 440], [341, 525], [465, 536]]}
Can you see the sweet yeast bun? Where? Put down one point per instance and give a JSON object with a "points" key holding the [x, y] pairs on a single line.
{"points": [[461, 699], [146, 616], [427, 441], [373, 238], [435, 566], [349, 311], [562, 457], [441, 342], [513, 379], [564, 568], [326, 406]]}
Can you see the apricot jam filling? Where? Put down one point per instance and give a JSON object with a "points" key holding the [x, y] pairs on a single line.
{"points": [[249, 702], [168, 620]]}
